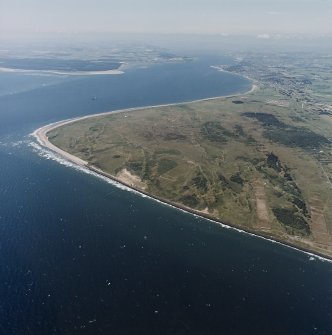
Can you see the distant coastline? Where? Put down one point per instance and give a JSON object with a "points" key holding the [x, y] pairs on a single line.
{"points": [[67, 73]]}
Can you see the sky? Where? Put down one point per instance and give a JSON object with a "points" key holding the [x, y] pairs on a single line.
{"points": [[257, 17]]}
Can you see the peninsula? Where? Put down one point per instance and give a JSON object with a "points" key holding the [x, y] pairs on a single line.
{"points": [[236, 160]]}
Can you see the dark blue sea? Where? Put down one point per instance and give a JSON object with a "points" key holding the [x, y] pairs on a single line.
{"points": [[79, 255]]}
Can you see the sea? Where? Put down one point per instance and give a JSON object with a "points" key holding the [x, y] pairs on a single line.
{"points": [[82, 255]]}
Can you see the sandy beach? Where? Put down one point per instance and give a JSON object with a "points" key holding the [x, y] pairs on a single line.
{"points": [[41, 135]]}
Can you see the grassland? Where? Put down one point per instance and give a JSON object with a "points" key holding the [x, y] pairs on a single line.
{"points": [[240, 160]]}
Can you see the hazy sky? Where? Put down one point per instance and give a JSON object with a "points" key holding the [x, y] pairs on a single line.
{"points": [[167, 16]]}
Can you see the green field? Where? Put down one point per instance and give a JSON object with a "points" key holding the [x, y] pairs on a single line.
{"points": [[241, 160]]}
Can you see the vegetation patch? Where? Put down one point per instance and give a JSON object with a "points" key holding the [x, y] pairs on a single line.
{"points": [[200, 182], [168, 152], [300, 204], [215, 132], [190, 200], [165, 165], [148, 135], [296, 137], [135, 166], [95, 128], [290, 218], [174, 136], [239, 131], [266, 119], [273, 162], [288, 135], [236, 178], [224, 182]]}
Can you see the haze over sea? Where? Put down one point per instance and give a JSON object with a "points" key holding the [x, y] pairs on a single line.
{"points": [[82, 256]]}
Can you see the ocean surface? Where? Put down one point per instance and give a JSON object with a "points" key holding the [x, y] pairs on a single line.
{"points": [[79, 255]]}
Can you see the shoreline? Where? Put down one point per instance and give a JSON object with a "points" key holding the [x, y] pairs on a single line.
{"points": [[56, 124], [117, 71], [41, 135], [207, 216]]}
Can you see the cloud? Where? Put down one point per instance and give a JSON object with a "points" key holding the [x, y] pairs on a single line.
{"points": [[264, 36]]}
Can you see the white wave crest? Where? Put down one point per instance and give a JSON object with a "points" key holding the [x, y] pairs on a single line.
{"points": [[13, 144], [50, 155]]}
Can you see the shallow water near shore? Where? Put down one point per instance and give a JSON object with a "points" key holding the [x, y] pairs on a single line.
{"points": [[81, 256]]}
